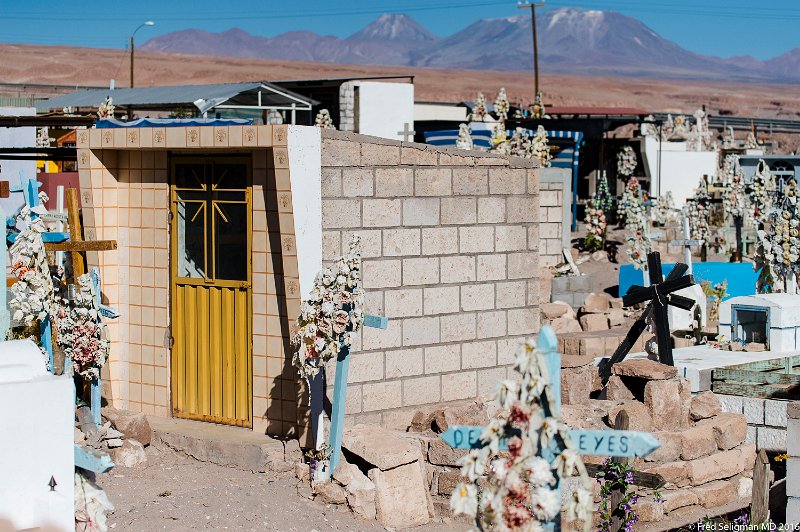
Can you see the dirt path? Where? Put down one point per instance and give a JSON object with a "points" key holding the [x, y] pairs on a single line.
{"points": [[177, 493]]}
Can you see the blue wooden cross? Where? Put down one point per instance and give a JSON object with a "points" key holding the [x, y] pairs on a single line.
{"points": [[108, 312], [340, 392], [5, 315], [29, 188], [92, 460], [588, 442]]}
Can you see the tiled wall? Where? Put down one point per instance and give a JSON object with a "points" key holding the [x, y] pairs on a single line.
{"points": [[555, 199], [451, 250]]}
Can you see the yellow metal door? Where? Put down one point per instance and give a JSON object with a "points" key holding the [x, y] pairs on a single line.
{"points": [[210, 241]]}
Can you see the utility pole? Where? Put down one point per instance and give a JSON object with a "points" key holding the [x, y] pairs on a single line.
{"points": [[142, 25], [532, 7]]}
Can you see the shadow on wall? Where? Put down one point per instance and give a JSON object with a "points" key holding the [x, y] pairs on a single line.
{"points": [[287, 411]]}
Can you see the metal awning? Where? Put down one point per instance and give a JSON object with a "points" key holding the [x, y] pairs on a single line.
{"points": [[251, 95]]}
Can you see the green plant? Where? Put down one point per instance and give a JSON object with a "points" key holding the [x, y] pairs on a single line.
{"points": [[616, 477], [592, 243], [715, 295]]}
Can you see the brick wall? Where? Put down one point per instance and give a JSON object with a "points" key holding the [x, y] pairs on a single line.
{"points": [[766, 420], [450, 244], [556, 215], [793, 466]]}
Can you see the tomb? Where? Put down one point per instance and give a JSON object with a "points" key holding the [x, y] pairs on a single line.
{"points": [[769, 319]]}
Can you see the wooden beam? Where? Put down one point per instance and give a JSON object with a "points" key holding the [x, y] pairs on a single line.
{"points": [[755, 377], [85, 245], [760, 508], [761, 391], [645, 480], [75, 234]]}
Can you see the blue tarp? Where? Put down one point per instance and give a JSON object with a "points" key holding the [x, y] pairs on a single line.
{"points": [[740, 276], [107, 123]]}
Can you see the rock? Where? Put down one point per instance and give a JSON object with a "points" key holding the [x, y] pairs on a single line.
{"points": [[594, 322], [447, 482], [639, 418], [467, 414], [380, 447], [281, 466], [596, 303], [670, 450], [649, 510], [673, 473], [566, 324], [678, 499], [79, 435], [576, 384], [644, 369], [730, 429], [111, 434], [344, 473], [697, 442], [133, 425], [576, 361], [720, 465], [545, 284], [439, 453], [360, 482], [330, 493], [616, 302], [421, 422], [305, 491], [744, 488], [575, 416], [754, 347], [718, 493], [400, 496], [617, 391], [113, 443], [600, 256], [362, 503], [705, 405], [616, 317], [556, 309], [130, 454], [662, 399], [302, 471]]}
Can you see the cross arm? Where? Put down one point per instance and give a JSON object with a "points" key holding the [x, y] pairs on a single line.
{"points": [[86, 245], [677, 300], [637, 294], [667, 287]]}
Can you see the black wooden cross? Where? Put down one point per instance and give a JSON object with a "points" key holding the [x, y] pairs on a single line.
{"points": [[660, 293]]}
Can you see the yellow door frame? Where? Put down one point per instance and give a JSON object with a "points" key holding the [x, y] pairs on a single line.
{"points": [[221, 396]]}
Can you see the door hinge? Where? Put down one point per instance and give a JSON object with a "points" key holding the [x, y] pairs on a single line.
{"points": [[169, 217], [170, 341]]}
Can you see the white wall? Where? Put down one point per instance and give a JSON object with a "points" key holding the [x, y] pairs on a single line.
{"points": [[16, 137], [305, 173], [434, 111], [383, 108], [681, 170], [36, 441]]}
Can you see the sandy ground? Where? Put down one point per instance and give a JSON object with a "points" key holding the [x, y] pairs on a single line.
{"points": [[176, 493], [95, 66]]}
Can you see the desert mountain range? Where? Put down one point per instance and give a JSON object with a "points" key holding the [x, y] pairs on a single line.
{"points": [[571, 41]]}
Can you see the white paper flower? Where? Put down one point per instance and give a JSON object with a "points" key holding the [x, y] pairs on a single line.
{"points": [[464, 500]]}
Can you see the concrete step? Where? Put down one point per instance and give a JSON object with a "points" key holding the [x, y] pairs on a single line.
{"points": [[224, 445]]}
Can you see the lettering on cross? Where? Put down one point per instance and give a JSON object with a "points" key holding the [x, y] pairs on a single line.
{"points": [[660, 293]]}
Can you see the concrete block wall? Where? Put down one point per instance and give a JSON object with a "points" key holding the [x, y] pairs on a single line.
{"points": [[767, 420], [451, 255], [793, 465], [554, 227]]}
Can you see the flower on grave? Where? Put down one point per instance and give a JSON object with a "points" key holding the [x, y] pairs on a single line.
{"points": [[106, 109], [697, 211], [538, 147], [501, 105], [464, 140], [32, 297], [333, 311], [751, 143], [538, 109], [595, 226], [630, 196], [479, 112], [626, 161], [637, 237], [603, 197], [762, 193], [324, 120], [500, 140], [517, 489], [734, 196], [81, 333], [43, 138], [778, 250]]}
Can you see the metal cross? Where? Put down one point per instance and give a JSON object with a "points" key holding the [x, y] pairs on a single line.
{"points": [[407, 132], [687, 243], [660, 293]]}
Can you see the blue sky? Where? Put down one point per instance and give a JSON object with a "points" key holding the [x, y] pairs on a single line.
{"points": [[717, 27]]}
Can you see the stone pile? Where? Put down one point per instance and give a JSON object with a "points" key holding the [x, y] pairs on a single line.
{"points": [[598, 313], [703, 457], [123, 434]]}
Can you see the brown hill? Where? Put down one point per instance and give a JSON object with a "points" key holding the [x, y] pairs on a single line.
{"points": [[61, 65]]}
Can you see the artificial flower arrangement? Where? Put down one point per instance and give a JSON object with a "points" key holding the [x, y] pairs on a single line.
{"points": [[778, 250], [639, 242], [500, 141], [595, 226], [323, 120], [734, 198], [603, 197], [538, 147], [502, 105], [762, 193], [518, 490], [331, 315], [464, 140], [106, 109], [696, 209], [479, 112], [663, 209], [626, 161], [630, 200], [81, 332]]}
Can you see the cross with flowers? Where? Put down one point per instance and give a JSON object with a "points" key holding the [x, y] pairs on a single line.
{"points": [[521, 488]]}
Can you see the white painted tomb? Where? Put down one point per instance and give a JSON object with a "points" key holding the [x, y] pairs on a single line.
{"points": [[36, 442], [682, 320], [770, 319]]}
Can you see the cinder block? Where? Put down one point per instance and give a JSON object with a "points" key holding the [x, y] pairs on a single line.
{"points": [[331, 182], [491, 210], [421, 211], [462, 385], [422, 390], [382, 395], [510, 294], [344, 213], [477, 297], [442, 358], [432, 182], [458, 327], [366, 367], [382, 273], [523, 265], [458, 269], [439, 240], [424, 270], [507, 181], [793, 512], [580, 283], [730, 403], [477, 239], [401, 242], [357, 182], [381, 212], [793, 477], [510, 238], [523, 209], [523, 321], [394, 182], [403, 303], [491, 324], [441, 300], [793, 437], [775, 413], [491, 267], [560, 285], [340, 153], [489, 380], [420, 331], [549, 198], [752, 435], [379, 155], [771, 439], [459, 211], [753, 410], [470, 181]]}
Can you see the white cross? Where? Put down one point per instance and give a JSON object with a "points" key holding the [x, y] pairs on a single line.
{"points": [[687, 243], [407, 132]]}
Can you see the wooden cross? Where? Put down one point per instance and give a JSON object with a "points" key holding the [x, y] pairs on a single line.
{"points": [[340, 392], [407, 132], [29, 188], [660, 293], [687, 243], [588, 442]]}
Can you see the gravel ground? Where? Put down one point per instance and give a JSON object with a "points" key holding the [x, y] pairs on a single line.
{"points": [[177, 493]]}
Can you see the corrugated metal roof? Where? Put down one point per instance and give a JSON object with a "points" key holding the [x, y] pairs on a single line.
{"points": [[171, 95]]}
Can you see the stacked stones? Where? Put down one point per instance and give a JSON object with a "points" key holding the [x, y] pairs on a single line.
{"points": [[123, 434], [703, 457]]}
